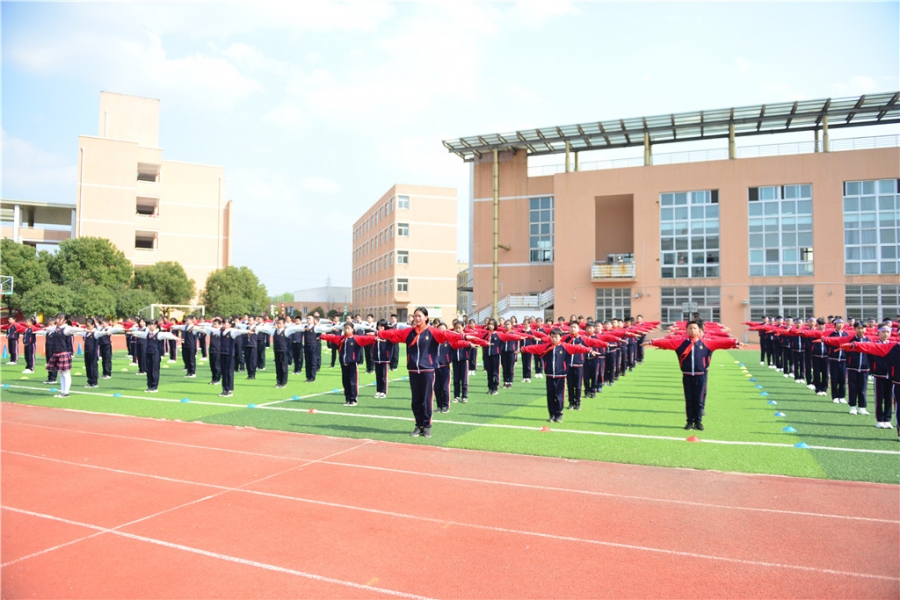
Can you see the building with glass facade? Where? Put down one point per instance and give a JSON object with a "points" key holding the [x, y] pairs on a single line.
{"points": [[799, 229]]}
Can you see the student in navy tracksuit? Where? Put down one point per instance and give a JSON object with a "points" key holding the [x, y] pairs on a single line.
{"points": [[575, 374], [491, 356], [889, 351], [215, 345], [91, 351], [422, 344], [509, 353], [350, 349], [29, 344], [382, 353], [819, 353], [310, 341], [281, 344], [881, 374], [12, 341], [250, 348], [297, 347], [104, 344], [154, 348], [226, 359], [473, 352], [459, 361], [188, 345], [858, 374], [837, 361], [556, 357], [694, 355]]}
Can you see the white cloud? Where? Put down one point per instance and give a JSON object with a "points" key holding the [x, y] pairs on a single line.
{"points": [[534, 13], [287, 114], [320, 185], [31, 173]]}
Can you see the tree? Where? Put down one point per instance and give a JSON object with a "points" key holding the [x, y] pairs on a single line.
{"points": [[27, 269], [91, 300], [233, 291], [129, 301], [47, 299], [88, 259], [286, 297], [167, 280]]}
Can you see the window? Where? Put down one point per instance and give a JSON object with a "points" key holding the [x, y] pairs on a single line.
{"points": [[613, 303], [147, 172], [148, 207], [678, 303], [689, 234], [403, 229], [872, 301], [145, 240], [871, 227], [391, 229], [780, 227], [402, 201], [402, 285], [794, 301], [402, 257], [540, 223]]}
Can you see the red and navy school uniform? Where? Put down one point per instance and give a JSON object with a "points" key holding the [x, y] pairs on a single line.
{"points": [[819, 355], [491, 359], [460, 351], [881, 374], [527, 359], [104, 347], [350, 349], [837, 362], [575, 375], [240, 359], [556, 362], [92, 356], [509, 352], [12, 343], [281, 345], [311, 341], [694, 357], [382, 355], [29, 345], [594, 364], [857, 375], [442, 377], [890, 352], [421, 361]]}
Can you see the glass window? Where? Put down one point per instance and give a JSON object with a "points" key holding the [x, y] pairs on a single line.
{"points": [[787, 210], [540, 220], [402, 201], [613, 303], [792, 300], [402, 257], [673, 301], [402, 285], [872, 301], [688, 221], [870, 228], [403, 229]]}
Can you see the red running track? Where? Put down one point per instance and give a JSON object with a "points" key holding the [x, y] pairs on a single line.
{"points": [[104, 506]]}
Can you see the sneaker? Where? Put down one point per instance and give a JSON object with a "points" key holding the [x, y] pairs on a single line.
{"points": [[229, 394], [762, 362], [191, 376], [863, 411], [578, 406], [539, 376], [172, 361], [61, 396], [559, 418], [471, 373], [843, 401], [279, 387], [552, 419], [698, 426], [837, 400], [416, 432], [446, 409], [455, 400], [811, 386], [463, 400], [853, 411], [27, 371], [888, 425], [688, 426], [49, 382], [879, 425], [799, 381], [426, 432], [106, 377], [348, 403]]}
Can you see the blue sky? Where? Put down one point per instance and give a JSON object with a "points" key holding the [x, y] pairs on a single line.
{"points": [[316, 108]]}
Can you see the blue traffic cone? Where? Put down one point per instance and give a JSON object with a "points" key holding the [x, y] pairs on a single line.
{"points": [[79, 349], [5, 353]]}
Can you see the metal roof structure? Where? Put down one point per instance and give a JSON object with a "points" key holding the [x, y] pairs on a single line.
{"points": [[783, 117]]}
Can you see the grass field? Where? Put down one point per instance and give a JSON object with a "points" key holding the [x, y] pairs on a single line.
{"points": [[639, 420]]}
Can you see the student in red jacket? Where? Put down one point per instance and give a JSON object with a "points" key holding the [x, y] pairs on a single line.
{"points": [[556, 357], [350, 347]]}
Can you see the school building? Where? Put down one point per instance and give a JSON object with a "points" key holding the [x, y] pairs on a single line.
{"points": [[807, 228], [404, 253], [152, 209]]}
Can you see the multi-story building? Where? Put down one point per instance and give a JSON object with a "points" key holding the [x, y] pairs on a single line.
{"points": [[799, 229], [151, 209], [404, 253], [40, 224]]}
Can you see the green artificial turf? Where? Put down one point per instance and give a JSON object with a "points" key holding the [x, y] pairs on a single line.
{"points": [[638, 420]]}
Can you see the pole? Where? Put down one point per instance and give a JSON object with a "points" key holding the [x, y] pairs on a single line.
{"points": [[494, 312]]}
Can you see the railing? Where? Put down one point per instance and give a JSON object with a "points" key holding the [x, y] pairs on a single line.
{"points": [[789, 148], [512, 301], [603, 270]]}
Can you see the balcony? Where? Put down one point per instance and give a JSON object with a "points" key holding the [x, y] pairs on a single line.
{"points": [[614, 269]]}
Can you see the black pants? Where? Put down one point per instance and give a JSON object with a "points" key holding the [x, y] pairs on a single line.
{"points": [[367, 351], [421, 387], [13, 350], [151, 368], [857, 381], [807, 366], [281, 367], [173, 349], [350, 380], [492, 368], [461, 378], [838, 370], [226, 369], [202, 341], [797, 359], [442, 386], [395, 357], [820, 373], [694, 390], [238, 356], [590, 374], [473, 358], [556, 395], [214, 367], [139, 357], [508, 361], [189, 356], [309, 352], [381, 377], [787, 366], [526, 365], [884, 399], [297, 351], [261, 356], [29, 358], [573, 382], [90, 368], [250, 360]]}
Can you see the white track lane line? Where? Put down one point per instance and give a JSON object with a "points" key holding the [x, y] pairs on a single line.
{"points": [[536, 427], [453, 477], [216, 555], [444, 522]]}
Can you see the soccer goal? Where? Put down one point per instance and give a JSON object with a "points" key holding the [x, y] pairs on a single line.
{"points": [[172, 311]]}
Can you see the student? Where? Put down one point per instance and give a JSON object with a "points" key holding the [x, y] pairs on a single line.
{"points": [[12, 341], [837, 361], [188, 332], [29, 344], [367, 351], [421, 359], [91, 351], [262, 342], [442, 373], [250, 346], [881, 374], [349, 349], [575, 374], [382, 354], [858, 373], [104, 346], [395, 356], [154, 348], [472, 329], [889, 351], [281, 345], [140, 344], [491, 356], [509, 353], [59, 353], [214, 349], [459, 361], [694, 355], [310, 341], [556, 358], [297, 346]]}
